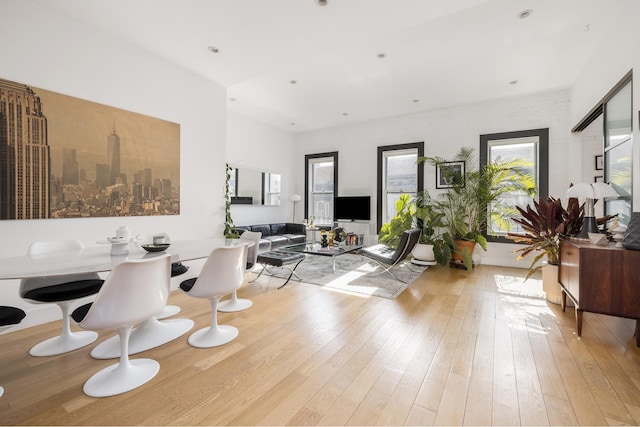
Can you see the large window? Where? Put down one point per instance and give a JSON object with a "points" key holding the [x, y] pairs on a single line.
{"points": [[616, 106], [618, 151], [398, 173], [529, 152], [321, 185]]}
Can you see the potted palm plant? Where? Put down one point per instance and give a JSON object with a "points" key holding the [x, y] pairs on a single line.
{"points": [[474, 199]]}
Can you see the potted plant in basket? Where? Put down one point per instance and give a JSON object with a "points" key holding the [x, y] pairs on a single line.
{"points": [[544, 224], [474, 199]]}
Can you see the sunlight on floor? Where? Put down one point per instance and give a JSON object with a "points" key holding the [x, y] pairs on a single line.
{"points": [[347, 278], [522, 302]]}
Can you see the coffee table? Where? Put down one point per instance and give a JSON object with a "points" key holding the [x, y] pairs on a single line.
{"points": [[314, 248]]}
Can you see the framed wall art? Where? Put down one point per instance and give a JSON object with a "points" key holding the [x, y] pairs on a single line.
{"points": [[81, 159], [599, 162], [449, 174]]}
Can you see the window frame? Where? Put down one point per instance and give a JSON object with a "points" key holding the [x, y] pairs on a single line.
{"points": [[308, 158], [381, 174], [542, 164]]}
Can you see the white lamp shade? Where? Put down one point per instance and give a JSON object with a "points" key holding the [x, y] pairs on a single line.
{"points": [[580, 191], [295, 198], [596, 190], [603, 190]]}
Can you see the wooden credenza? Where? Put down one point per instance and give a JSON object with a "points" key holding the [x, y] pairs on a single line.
{"points": [[600, 279]]}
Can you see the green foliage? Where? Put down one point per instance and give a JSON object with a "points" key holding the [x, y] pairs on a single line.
{"points": [[428, 217], [229, 228], [544, 224], [391, 231], [475, 198]]}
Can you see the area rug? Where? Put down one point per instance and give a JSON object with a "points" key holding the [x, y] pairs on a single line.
{"points": [[354, 273]]}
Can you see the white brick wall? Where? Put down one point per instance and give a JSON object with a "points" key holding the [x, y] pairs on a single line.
{"points": [[444, 132]]}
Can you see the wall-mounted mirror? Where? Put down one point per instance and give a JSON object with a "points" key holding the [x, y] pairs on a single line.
{"points": [[254, 187]]}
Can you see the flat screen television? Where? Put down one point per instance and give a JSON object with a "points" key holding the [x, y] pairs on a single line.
{"points": [[352, 208]]}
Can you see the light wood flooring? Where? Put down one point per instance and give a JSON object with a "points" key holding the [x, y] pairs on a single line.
{"points": [[455, 348]]}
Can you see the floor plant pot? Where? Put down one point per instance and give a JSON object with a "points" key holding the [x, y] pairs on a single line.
{"points": [[457, 259], [550, 284], [423, 254]]}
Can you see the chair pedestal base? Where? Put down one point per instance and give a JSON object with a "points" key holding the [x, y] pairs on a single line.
{"points": [[213, 336], [63, 343], [234, 304], [168, 311], [149, 334], [119, 378]]}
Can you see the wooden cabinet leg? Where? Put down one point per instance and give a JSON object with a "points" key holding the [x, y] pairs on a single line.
{"points": [[636, 333], [579, 321], [564, 299]]}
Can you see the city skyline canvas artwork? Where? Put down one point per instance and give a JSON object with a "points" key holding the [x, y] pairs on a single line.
{"points": [[64, 157]]}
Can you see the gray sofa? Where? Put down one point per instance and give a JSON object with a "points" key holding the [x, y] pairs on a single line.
{"points": [[277, 235]]}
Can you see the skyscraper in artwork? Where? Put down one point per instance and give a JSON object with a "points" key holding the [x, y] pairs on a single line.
{"points": [[24, 154], [113, 153]]}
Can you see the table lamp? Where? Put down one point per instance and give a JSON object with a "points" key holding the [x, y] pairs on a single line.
{"points": [[589, 192], [295, 198]]}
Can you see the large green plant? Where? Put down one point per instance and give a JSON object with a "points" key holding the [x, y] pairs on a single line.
{"points": [[475, 198], [404, 219], [413, 212]]}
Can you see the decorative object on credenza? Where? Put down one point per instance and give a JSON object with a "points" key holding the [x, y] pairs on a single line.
{"points": [[631, 239], [590, 192], [618, 230], [89, 159]]}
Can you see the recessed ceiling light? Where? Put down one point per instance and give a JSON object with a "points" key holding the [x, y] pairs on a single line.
{"points": [[587, 27], [322, 2], [293, 82], [232, 99], [345, 114], [292, 124], [382, 55], [525, 14], [513, 82], [415, 100], [213, 49]]}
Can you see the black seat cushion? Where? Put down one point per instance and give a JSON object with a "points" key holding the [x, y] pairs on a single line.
{"points": [[178, 268], [380, 252], [188, 284], [11, 315], [279, 258], [65, 291], [80, 313]]}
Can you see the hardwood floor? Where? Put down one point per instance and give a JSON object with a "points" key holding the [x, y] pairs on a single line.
{"points": [[455, 348]]}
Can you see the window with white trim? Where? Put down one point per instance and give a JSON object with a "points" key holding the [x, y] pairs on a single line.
{"points": [[321, 178]]}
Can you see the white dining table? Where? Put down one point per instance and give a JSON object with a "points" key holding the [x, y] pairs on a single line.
{"points": [[150, 333], [97, 259]]}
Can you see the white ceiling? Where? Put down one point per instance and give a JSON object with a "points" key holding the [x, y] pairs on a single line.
{"points": [[439, 53]]}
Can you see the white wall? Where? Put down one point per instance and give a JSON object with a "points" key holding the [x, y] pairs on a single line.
{"points": [[617, 54], [444, 132], [255, 145], [43, 49]]}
